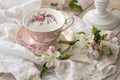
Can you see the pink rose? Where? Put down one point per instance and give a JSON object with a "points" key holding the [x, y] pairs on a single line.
{"points": [[40, 17]]}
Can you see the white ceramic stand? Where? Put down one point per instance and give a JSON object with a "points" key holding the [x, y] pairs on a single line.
{"points": [[101, 18]]}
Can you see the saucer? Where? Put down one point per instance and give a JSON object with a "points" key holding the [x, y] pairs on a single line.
{"points": [[23, 38]]}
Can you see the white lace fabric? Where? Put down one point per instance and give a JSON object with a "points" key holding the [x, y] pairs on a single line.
{"points": [[18, 61], [14, 58]]}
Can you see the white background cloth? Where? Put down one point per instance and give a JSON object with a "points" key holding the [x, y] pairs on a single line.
{"points": [[17, 60], [14, 58]]}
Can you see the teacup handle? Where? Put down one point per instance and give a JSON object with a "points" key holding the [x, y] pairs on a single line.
{"points": [[68, 22]]}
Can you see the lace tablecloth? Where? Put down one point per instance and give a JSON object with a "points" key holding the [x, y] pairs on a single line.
{"points": [[80, 67]]}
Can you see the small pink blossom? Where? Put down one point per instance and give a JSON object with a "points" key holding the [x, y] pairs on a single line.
{"points": [[52, 48], [93, 43], [40, 17]]}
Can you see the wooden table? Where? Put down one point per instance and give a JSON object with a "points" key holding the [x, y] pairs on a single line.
{"points": [[89, 5]]}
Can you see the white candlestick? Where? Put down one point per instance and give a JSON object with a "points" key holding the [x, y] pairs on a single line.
{"points": [[101, 6], [101, 18]]}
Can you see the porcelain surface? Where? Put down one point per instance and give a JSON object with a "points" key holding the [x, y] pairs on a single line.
{"points": [[23, 38], [45, 24]]}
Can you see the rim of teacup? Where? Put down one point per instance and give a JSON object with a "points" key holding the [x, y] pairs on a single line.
{"points": [[60, 26]]}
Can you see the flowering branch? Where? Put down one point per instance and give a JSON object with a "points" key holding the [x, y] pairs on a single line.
{"points": [[96, 44], [72, 4]]}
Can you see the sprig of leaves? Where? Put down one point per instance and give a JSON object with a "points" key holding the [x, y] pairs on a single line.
{"points": [[97, 37], [73, 5], [68, 42]]}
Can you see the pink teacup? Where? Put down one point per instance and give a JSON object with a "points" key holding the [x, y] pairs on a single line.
{"points": [[45, 25]]}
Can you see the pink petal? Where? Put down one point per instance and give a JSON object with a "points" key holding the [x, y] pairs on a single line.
{"points": [[93, 42], [52, 48]]}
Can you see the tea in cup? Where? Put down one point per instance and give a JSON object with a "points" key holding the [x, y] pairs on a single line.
{"points": [[46, 24]]}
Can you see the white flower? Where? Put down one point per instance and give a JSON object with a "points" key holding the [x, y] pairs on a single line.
{"points": [[82, 47], [52, 57], [62, 4]]}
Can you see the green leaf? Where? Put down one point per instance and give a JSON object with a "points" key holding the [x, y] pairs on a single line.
{"points": [[64, 57], [60, 50], [44, 70], [72, 5], [54, 4], [97, 36], [79, 7], [110, 52], [75, 1], [81, 33], [95, 30], [37, 54], [100, 55], [104, 36], [68, 42]]}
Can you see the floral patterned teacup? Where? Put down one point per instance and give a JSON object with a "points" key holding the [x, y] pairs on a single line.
{"points": [[46, 24]]}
